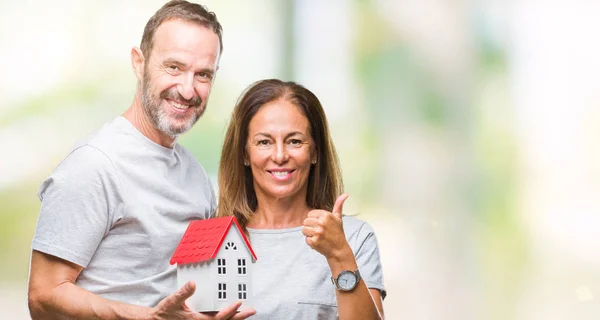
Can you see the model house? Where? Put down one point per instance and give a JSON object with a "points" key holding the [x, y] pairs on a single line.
{"points": [[217, 256]]}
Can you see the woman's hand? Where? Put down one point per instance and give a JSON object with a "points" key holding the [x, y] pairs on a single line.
{"points": [[324, 231]]}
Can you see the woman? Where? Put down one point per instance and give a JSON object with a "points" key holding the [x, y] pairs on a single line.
{"points": [[279, 175]]}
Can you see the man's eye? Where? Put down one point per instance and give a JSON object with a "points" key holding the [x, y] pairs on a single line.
{"points": [[204, 76], [173, 68]]}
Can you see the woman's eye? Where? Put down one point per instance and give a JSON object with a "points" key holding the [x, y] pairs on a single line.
{"points": [[295, 142], [263, 142]]}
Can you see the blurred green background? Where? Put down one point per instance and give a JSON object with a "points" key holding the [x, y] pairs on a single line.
{"points": [[468, 132]]}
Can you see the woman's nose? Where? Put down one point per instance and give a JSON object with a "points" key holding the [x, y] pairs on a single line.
{"points": [[280, 154]]}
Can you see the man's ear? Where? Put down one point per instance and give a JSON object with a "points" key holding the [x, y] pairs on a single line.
{"points": [[137, 62], [215, 75]]}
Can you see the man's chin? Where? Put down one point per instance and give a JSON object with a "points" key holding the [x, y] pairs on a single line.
{"points": [[176, 130], [174, 126]]}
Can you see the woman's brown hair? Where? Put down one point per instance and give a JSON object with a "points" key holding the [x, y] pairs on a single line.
{"points": [[236, 186]]}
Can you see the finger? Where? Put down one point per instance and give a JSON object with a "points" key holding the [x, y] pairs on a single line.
{"points": [[244, 314], [339, 204], [182, 294], [309, 241], [315, 213], [229, 311], [311, 222], [308, 231]]}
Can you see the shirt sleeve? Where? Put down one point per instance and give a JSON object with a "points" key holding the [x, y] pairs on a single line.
{"points": [[212, 199], [78, 201], [366, 252]]}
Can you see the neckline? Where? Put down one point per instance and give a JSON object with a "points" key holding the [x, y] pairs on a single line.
{"points": [[145, 140], [274, 231]]}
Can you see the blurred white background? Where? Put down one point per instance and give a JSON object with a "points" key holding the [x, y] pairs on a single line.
{"points": [[468, 132]]}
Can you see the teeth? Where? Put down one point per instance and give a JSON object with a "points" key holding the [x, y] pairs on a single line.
{"points": [[178, 106], [280, 174]]}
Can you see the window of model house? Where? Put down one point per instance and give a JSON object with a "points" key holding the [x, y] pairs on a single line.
{"points": [[222, 292], [230, 245], [221, 266], [242, 291], [241, 266]]}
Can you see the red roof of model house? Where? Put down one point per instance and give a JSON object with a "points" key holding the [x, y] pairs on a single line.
{"points": [[203, 238]]}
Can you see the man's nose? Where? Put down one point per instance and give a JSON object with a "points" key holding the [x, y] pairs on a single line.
{"points": [[186, 86]]}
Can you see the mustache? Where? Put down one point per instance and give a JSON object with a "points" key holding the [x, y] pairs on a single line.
{"points": [[174, 95]]}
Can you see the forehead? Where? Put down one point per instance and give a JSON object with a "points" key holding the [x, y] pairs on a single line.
{"points": [[280, 115], [186, 41]]}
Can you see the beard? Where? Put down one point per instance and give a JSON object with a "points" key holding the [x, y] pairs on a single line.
{"points": [[172, 125]]}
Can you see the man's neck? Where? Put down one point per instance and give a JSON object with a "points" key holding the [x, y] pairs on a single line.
{"points": [[138, 118]]}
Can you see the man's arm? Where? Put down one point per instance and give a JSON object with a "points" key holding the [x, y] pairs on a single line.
{"points": [[54, 295]]}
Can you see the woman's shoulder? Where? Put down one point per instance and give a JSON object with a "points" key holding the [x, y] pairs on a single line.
{"points": [[354, 226]]}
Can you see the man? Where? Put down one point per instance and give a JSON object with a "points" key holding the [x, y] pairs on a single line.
{"points": [[115, 208]]}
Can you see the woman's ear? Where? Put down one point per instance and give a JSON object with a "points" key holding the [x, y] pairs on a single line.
{"points": [[246, 161]]}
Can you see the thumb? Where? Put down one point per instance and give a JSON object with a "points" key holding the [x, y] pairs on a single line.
{"points": [[339, 204], [184, 293]]}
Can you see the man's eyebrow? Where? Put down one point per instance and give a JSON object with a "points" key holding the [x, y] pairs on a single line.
{"points": [[207, 70], [171, 61]]}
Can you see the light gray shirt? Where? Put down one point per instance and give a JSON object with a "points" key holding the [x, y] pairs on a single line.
{"points": [[293, 281], [118, 205]]}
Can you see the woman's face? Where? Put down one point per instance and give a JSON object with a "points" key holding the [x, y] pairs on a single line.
{"points": [[280, 151]]}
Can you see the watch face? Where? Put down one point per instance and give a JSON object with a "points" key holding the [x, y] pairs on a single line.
{"points": [[346, 280]]}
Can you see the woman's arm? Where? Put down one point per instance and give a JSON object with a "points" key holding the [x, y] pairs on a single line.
{"points": [[324, 233], [361, 302]]}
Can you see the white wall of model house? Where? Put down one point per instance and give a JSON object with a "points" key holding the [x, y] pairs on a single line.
{"points": [[223, 280]]}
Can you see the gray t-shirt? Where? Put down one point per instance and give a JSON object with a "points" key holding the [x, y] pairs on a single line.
{"points": [[292, 281], [118, 205]]}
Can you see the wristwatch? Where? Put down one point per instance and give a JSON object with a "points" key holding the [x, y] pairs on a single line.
{"points": [[346, 280]]}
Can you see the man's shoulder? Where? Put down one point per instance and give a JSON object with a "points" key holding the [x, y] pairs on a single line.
{"points": [[84, 160], [108, 137], [93, 153], [188, 159], [184, 152]]}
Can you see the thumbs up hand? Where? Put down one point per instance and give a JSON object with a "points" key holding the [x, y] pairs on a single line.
{"points": [[339, 205], [324, 231]]}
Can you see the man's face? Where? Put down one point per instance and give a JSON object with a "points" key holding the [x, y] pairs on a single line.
{"points": [[178, 75]]}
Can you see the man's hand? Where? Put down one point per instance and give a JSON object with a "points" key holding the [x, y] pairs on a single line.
{"points": [[174, 307]]}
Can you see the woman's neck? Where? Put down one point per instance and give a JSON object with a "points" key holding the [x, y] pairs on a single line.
{"points": [[279, 214]]}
